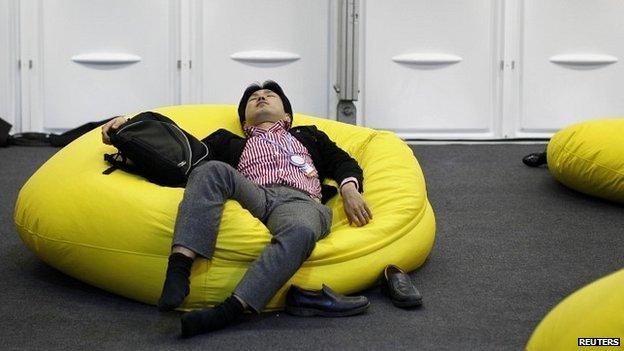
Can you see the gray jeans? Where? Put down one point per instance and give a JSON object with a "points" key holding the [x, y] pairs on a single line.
{"points": [[295, 220]]}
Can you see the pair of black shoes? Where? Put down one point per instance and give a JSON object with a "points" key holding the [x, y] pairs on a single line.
{"points": [[327, 303]]}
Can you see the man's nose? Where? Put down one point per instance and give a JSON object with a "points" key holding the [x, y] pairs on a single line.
{"points": [[261, 99]]}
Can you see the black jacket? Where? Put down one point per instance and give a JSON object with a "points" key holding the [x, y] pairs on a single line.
{"points": [[330, 160]]}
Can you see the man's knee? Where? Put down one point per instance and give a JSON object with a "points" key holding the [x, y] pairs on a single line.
{"points": [[300, 237], [212, 168]]}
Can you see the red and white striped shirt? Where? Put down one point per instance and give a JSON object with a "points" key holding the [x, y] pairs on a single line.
{"points": [[265, 163]]}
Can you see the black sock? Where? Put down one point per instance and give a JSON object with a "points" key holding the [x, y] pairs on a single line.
{"points": [[177, 282], [220, 316]]}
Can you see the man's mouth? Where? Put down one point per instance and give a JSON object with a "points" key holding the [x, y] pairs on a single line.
{"points": [[261, 102]]}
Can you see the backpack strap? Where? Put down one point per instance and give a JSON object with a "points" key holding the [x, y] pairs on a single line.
{"points": [[118, 161], [60, 140]]}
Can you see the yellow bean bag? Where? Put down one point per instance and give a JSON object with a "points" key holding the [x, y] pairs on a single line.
{"points": [[595, 311], [589, 157], [115, 231]]}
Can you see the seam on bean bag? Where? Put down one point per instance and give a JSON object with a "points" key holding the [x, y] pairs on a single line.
{"points": [[590, 161], [22, 227]]}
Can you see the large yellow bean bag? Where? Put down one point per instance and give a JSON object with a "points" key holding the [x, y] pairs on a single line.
{"points": [[115, 231], [589, 157], [595, 311]]}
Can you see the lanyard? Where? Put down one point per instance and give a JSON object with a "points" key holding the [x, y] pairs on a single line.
{"points": [[293, 158], [290, 151]]}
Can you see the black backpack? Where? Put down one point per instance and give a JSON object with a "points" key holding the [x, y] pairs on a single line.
{"points": [[153, 146]]}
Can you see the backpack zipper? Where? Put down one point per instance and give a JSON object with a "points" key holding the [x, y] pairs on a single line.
{"points": [[129, 125], [188, 145], [205, 155]]}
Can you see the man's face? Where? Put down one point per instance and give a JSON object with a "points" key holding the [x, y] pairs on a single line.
{"points": [[264, 106]]}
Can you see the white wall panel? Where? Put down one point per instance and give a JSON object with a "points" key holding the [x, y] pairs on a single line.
{"points": [[428, 69], [553, 94], [70, 92], [291, 36], [431, 67], [8, 62]]}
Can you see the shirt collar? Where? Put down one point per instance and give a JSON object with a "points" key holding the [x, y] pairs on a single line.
{"points": [[279, 126]]}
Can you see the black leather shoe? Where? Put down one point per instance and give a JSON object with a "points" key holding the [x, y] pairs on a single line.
{"points": [[399, 287], [324, 302], [535, 159]]}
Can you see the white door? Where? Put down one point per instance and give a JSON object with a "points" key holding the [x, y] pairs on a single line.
{"points": [[240, 42], [431, 68], [571, 64], [89, 60], [8, 63]]}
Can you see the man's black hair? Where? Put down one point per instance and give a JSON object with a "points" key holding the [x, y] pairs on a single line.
{"points": [[270, 85]]}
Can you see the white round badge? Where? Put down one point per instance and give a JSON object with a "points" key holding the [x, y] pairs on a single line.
{"points": [[297, 160]]}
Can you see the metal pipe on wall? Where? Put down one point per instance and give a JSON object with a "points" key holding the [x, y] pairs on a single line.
{"points": [[347, 85]]}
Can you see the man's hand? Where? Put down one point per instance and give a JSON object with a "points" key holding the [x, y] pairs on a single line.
{"points": [[355, 207], [114, 123]]}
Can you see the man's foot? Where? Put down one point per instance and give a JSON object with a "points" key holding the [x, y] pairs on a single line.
{"points": [[218, 317], [177, 282], [535, 159]]}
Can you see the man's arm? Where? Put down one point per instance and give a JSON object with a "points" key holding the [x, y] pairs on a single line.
{"points": [[338, 163], [346, 171], [213, 141], [219, 145]]}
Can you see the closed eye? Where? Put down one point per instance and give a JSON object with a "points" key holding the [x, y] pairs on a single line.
{"points": [[255, 97]]}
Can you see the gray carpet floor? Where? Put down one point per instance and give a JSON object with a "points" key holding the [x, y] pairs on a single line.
{"points": [[511, 243]]}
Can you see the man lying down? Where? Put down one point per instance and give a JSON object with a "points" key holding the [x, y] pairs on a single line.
{"points": [[276, 172]]}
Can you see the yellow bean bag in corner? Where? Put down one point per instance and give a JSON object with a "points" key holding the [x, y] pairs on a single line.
{"points": [[115, 231], [595, 311], [589, 157]]}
